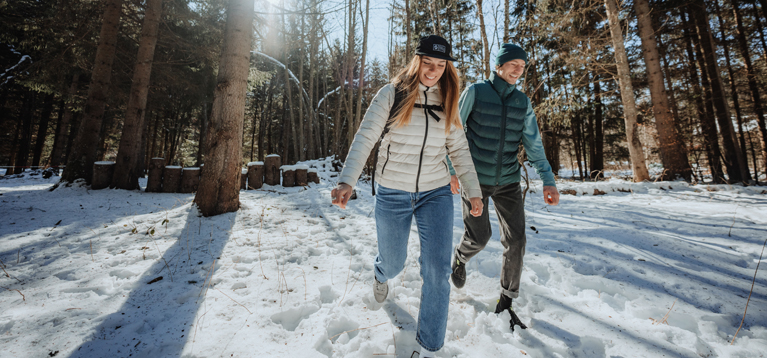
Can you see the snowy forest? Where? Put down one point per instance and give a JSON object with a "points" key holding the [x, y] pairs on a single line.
{"points": [[651, 113], [692, 96]]}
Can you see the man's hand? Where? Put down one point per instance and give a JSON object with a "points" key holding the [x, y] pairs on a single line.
{"points": [[476, 207], [551, 195], [341, 194], [455, 186]]}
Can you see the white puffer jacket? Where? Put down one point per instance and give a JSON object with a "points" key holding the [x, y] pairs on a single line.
{"points": [[407, 161]]}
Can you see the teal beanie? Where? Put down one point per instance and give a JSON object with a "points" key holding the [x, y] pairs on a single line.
{"points": [[510, 52]]}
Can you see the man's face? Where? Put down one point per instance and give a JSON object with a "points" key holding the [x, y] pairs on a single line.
{"points": [[511, 70]]}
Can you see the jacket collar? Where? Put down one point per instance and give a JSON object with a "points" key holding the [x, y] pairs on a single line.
{"points": [[500, 85], [432, 89]]}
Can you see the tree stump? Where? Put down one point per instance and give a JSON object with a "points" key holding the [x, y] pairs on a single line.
{"points": [[171, 179], [154, 182], [288, 176], [312, 175], [102, 175], [190, 179], [244, 179], [301, 175], [272, 165], [255, 175]]}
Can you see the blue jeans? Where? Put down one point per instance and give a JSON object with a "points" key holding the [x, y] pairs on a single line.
{"points": [[433, 211]]}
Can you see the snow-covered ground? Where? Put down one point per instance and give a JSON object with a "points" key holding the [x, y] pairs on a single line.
{"points": [[645, 270]]}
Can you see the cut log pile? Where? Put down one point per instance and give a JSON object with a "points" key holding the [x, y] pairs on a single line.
{"points": [[176, 179]]}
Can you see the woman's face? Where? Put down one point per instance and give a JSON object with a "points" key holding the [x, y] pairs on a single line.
{"points": [[431, 70]]}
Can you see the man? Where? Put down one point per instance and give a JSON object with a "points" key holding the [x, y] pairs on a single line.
{"points": [[486, 108]]}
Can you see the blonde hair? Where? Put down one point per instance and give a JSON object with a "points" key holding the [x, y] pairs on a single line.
{"points": [[449, 85]]}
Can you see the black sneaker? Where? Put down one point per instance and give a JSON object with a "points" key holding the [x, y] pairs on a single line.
{"points": [[504, 304], [459, 273]]}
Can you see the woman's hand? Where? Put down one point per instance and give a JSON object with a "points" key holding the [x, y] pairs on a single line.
{"points": [[476, 206], [455, 185], [341, 194]]}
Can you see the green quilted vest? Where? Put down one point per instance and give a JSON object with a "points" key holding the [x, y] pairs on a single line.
{"points": [[494, 131]]}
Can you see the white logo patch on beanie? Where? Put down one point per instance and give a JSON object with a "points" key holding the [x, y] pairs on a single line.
{"points": [[440, 48]]}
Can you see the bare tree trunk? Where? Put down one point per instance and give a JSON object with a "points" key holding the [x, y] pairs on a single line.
{"points": [[673, 153], [705, 108], [42, 130], [733, 159], [435, 21], [350, 75], [83, 154], [25, 135], [577, 139], [507, 24], [62, 131], [312, 127], [752, 84], [485, 46], [358, 115], [407, 31], [598, 163], [302, 137], [734, 91], [129, 164], [219, 188], [636, 153]]}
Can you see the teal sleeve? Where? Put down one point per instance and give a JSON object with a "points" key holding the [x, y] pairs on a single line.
{"points": [[465, 106], [531, 138]]}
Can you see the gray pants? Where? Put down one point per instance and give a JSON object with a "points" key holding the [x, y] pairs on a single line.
{"points": [[511, 218]]}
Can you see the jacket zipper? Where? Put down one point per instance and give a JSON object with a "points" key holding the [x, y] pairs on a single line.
{"points": [[388, 151], [499, 158], [425, 135]]}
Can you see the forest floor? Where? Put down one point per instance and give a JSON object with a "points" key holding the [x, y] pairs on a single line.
{"points": [[645, 270]]}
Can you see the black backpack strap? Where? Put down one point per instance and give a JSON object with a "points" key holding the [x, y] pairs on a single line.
{"points": [[399, 96]]}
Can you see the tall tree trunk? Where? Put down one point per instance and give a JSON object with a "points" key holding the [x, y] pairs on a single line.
{"points": [[407, 31], [733, 90], [219, 190], [129, 164], [358, 115], [25, 134], [506, 23], [205, 122], [598, 163], [673, 152], [752, 84], [435, 21], [312, 127], [80, 160], [577, 140], [703, 103], [42, 130], [733, 160], [350, 130], [485, 46], [266, 120], [302, 138], [62, 130], [636, 153]]}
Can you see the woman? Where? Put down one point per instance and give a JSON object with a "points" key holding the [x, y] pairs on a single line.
{"points": [[413, 178]]}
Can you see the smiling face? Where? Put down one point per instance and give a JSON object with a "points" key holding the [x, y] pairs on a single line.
{"points": [[511, 70], [431, 70]]}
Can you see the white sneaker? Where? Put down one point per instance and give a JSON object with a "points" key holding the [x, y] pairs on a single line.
{"points": [[425, 353], [380, 290]]}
